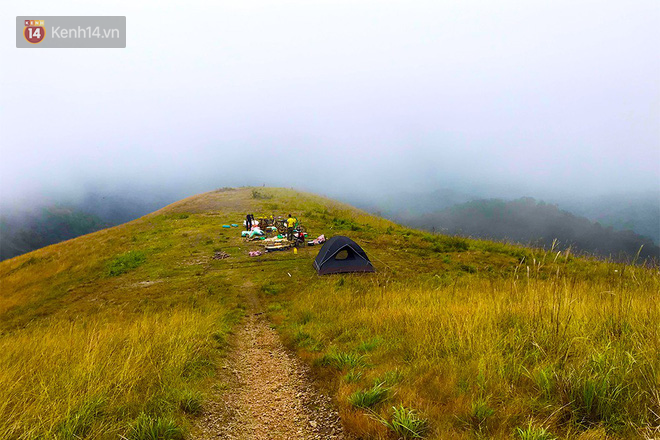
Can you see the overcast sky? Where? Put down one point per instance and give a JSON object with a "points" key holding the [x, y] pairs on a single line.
{"points": [[332, 96]]}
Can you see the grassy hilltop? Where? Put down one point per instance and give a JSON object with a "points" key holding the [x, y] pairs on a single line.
{"points": [[120, 332]]}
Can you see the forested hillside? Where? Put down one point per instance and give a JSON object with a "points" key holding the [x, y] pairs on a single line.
{"points": [[48, 222], [30, 231], [537, 223]]}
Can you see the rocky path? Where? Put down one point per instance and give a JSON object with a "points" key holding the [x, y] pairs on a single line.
{"points": [[268, 394]]}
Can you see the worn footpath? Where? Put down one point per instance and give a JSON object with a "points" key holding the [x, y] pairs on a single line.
{"points": [[268, 393]]}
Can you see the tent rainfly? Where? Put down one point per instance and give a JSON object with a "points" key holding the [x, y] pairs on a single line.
{"points": [[341, 254]]}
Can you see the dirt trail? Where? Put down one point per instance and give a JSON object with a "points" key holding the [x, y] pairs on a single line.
{"points": [[268, 393]]}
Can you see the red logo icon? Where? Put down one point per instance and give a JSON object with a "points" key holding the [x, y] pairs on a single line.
{"points": [[34, 31]]}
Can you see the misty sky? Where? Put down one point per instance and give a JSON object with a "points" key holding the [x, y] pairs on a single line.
{"points": [[523, 96]]}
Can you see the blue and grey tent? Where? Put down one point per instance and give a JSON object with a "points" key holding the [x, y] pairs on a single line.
{"points": [[340, 255]]}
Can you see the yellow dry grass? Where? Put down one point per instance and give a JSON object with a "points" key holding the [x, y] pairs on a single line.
{"points": [[91, 378], [482, 357]]}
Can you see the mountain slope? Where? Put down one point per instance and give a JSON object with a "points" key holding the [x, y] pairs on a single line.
{"points": [[119, 332], [23, 230], [528, 221], [23, 233]]}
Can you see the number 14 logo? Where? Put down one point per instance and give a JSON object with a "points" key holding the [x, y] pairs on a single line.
{"points": [[34, 31]]}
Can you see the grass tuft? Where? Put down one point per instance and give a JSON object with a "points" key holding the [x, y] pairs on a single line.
{"points": [[191, 401], [341, 360], [79, 422], [370, 397], [353, 376], [390, 378], [480, 412], [198, 366], [534, 433], [406, 423], [155, 428], [369, 345]]}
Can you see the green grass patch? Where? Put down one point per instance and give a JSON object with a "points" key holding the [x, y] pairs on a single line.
{"points": [[125, 262], [271, 288], [468, 268], [80, 421], [446, 243], [261, 195], [304, 339], [370, 345], [190, 401], [389, 378], [346, 224], [198, 366], [480, 413]]}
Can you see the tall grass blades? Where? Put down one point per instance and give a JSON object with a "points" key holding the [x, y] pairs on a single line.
{"points": [[531, 432], [567, 340], [85, 378], [406, 423], [155, 428]]}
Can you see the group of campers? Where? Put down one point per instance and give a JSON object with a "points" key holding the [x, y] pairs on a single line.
{"points": [[290, 224], [339, 254]]}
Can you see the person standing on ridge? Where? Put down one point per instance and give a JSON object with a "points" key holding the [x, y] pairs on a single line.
{"points": [[290, 223], [248, 222]]}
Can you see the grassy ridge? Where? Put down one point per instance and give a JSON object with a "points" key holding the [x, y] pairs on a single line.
{"points": [[451, 338], [117, 333]]}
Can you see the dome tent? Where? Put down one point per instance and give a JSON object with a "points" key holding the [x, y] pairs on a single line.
{"points": [[341, 254]]}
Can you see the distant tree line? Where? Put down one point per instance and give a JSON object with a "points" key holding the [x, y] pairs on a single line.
{"points": [[22, 231], [27, 232], [527, 221]]}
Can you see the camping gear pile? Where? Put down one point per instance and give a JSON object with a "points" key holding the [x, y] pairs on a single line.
{"points": [[271, 232], [338, 254], [259, 230], [220, 255], [279, 245], [320, 239], [255, 234], [298, 237]]}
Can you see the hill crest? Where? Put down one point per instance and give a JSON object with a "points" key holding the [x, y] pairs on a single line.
{"points": [[120, 331]]}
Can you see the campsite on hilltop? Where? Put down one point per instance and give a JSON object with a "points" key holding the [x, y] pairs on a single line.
{"points": [[166, 328], [330, 220]]}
